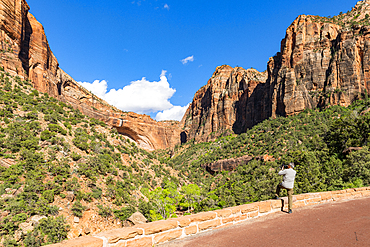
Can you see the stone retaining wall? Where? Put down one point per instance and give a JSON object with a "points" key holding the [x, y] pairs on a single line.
{"points": [[157, 232]]}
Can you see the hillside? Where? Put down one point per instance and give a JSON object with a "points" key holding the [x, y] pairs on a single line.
{"points": [[63, 174], [58, 163]]}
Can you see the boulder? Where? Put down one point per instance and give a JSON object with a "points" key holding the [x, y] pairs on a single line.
{"points": [[70, 196], [7, 162], [20, 190], [87, 230], [25, 227], [10, 191], [18, 235], [28, 226], [76, 220], [137, 218], [7, 196], [127, 223], [35, 219], [4, 214]]}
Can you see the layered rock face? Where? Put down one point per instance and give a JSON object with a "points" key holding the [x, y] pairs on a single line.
{"points": [[225, 103], [323, 61], [13, 19], [25, 52]]}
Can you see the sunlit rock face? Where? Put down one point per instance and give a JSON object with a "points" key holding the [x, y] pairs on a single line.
{"points": [[224, 103], [25, 52], [323, 61]]}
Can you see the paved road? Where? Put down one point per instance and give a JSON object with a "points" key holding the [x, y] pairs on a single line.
{"points": [[333, 224]]}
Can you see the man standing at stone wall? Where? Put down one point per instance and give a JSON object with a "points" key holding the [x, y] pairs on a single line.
{"points": [[287, 183]]}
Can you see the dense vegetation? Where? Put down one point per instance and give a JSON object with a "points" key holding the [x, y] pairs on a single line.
{"points": [[315, 140], [56, 152]]}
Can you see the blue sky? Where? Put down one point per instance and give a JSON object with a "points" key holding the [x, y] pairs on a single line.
{"points": [[176, 45]]}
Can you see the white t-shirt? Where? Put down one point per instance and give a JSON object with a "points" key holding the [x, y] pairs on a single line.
{"points": [[288, 179]]}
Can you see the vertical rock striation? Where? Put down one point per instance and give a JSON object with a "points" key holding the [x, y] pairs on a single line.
{"points": [[323, 61]]}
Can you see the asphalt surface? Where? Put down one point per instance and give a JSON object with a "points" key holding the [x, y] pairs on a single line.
{"points": [[333, 224]]}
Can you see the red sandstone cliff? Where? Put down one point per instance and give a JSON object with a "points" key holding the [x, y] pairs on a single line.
{"points": [[223, 103], [323, 61], [25, 52]]}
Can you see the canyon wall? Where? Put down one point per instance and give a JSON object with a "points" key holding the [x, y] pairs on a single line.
{"points": [[25, 52], [231, 100], [323, 61]]}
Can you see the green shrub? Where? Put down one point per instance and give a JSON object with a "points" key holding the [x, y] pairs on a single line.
{"points": [[32, 115], [78, 209], [104, 212], [53, 117], [57, 128], [97, 192], [145, 208], [48, 195], [20, 218], [81, 142], [49, 231], [47, 135], [124, 212]]}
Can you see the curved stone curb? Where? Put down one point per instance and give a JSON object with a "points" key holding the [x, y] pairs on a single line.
{"points": [[157, 232]]}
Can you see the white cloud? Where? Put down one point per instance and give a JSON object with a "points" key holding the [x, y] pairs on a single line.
{"points": [[174, 113], [140, 96], [188, 59], [99, 88], [166, 6]]}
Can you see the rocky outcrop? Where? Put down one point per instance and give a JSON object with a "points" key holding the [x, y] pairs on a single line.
{"points": [[28, 226], [323, 61], [25, 52], [227, 165], [232, 164], [7, 162]]}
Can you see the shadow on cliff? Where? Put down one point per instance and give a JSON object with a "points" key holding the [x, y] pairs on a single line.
{"points": [[206, 100], [183, 137], [261, 104], [24, 54], [250, 110]]}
